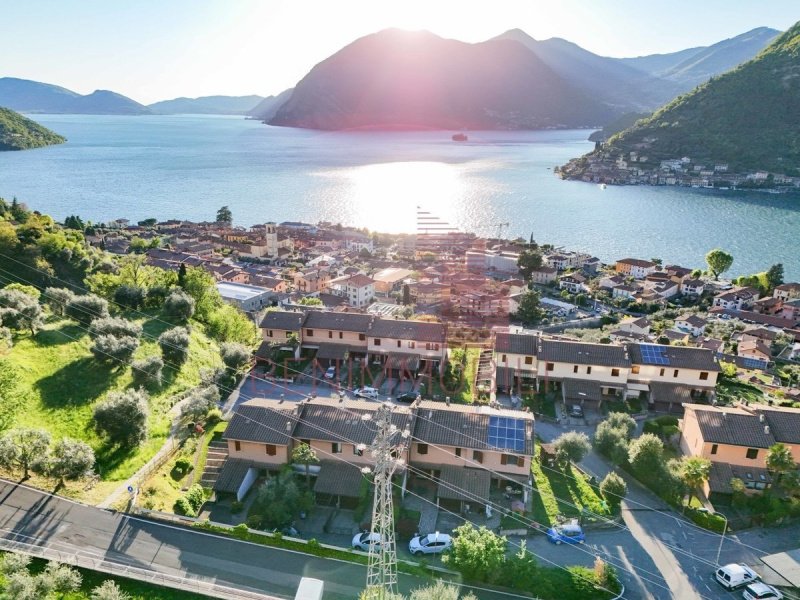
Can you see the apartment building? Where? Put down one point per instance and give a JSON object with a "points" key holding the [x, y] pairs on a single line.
{"points": [[635, 267]]}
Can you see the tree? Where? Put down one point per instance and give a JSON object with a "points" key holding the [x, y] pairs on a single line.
{"points": [[25, 289], [614, 489], [225, 216], [310, 301], [780, 461], [181, 274], [13, 394], [694, 472], [440, 591], [74, 222], [122, 417], [108, 590], [70, 460], [59, 579], [147, 372], [179, 305], [529, 311], [24, 448], [199, 402], [718, 262], [174, 344], [305, 455], [611, 442], [278, 500], [18, 310], [113, 349], [477, 553], [85, 309], [774, 277], [234, 355], [529, 260], [229, 324], [572, 446], [621, 420], [406, 294], [646, 455], [14, 563], [201, 286], [115, 326], [521, 570], [57, 299], [130, 296]]}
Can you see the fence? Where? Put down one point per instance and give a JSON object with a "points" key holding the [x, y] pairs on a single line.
{"points": [[86, 560]]}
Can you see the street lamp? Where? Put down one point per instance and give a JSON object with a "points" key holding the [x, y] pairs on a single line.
{"points": [[722, 538]]}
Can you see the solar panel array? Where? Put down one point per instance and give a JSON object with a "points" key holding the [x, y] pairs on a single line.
{"points": [[507, 433], [754, 363], [653, 354]]}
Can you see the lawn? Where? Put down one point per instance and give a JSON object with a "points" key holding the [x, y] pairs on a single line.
{"points": [[65, 382], [556, 489], [728, 391]]}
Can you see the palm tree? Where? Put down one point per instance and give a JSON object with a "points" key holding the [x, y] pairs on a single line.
{"points": [[305, 455], [780, 461], [694, 472]]}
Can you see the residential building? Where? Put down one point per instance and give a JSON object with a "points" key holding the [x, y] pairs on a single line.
{"points": [[249, 298], [336, 335], [692, 287], [755, 349], [312, 280], [740, 298], [640, 326], [390, 279], [691, 324], [634, 267], [787, 291], [544, 275], [359, 290], [278, 325], [574, 283], [408, 346], [515, 357]]}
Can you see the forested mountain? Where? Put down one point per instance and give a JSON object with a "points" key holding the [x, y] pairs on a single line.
{"points": [[20, 133], [34, 97], [207, 105]]}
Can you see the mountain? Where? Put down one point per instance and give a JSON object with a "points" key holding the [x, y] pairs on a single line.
{"points": [[624, 87], [619, 124], [694, 66], [267, 108], [207, 105], [34, 97], [416, 80], [748, 118], [20, 133]]}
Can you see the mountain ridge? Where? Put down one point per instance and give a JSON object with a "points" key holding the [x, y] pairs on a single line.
{"points": [[207, 105], [26, 95]]}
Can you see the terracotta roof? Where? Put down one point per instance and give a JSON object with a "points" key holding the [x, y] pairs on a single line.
{"points": [[516, 343], [278, 319], [584, 354], [636, 262], [263, 421], [407, 330]]}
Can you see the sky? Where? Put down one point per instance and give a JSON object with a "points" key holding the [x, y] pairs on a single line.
{"points": [[159, 49]]}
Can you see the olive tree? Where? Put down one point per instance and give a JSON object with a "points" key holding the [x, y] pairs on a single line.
{"points": [[147, 372], [614, 489], [199, 402], [110, 348], [572, 446], [234, 355], [70, 460], [85, 309], [20, 311], [179, 305], [24, 448], [122, 417], [108, 590], [57, 299], [116, 326], [174, 344]]}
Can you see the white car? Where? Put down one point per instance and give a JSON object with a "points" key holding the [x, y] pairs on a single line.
{"points": [[433, 543], [734, 576], [366, 392], [363, 541], [761, 591], [330, 373]]}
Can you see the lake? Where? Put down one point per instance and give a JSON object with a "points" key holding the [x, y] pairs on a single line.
{"points": [[187, 166]]}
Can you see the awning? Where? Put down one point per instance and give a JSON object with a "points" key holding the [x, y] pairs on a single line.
{"points": [[339, 479], [667, 392], [333, 351], [469, 485], [639, 387], [232, 475], [578, 389]]}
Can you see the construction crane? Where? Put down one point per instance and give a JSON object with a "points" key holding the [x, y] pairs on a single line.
{"points": [[500, 229]]}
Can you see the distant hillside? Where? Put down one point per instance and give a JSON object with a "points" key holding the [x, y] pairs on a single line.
{"points": [[266, 109], [617, 125], [415, 80], [748, 118], [694, 66], [33, 97], [207, 105], [20, 133]]}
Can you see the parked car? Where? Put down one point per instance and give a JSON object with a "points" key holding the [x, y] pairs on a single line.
{"points": [[407, 397], [366, 392], [761, 591], [569, 533], [363, 541], [733, 576], [433, 543], [576, 410], [330, 373]]}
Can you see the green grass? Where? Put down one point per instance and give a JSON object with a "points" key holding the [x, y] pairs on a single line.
{"points": [[728, 391], [137, 590], [542, 403], [213, 434], [65, 382]]}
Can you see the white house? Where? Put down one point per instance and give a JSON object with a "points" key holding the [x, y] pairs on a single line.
{"points": [[691, 324], [359, 290], [692, 287], [736, 299], [574, 283]]}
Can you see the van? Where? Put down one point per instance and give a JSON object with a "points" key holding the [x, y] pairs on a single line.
{"points": [[734, 576]]}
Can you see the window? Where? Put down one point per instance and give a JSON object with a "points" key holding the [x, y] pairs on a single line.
{"points": [[635, 369], [269, 333], [288, 334], [714, 448], [458, 452], [752, 453], [310, 332], [504, 358], [528, 360], [575, 369], [549, 366], [336, 448], [704, 375], [237, 445], [340, 335], [377, 342], [358, 451], [661, 373], [398, 343], [510, 459], [477, 456], [271, 449], [588, 370], [330, 335], [615, 372], [675, 373], [362, 337], [422, 448], [412, 344]]}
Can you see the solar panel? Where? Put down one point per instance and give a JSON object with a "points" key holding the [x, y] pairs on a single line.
{"points": [[507, 433], [653, 354], [754, 363]]}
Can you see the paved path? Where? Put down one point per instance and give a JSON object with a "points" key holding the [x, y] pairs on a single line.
{"points": [[45, 520]]}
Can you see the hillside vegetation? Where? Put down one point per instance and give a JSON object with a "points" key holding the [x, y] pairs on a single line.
{"points": [[20, 133], [748, 117]]}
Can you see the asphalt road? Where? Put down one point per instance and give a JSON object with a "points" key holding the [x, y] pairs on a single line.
{"points": [[38, 518]]}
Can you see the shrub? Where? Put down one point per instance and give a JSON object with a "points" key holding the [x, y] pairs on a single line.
{"points": [[200, 402], [213, 416], [183, 465], [254, 521], [241, 531], [147, 372], [110, 348], [182, 506], [234, 355], [236, 507], [115, 326], [57, 299], [614, 489], [85, 309], [174, 345], [130, 296], [196, 497]]}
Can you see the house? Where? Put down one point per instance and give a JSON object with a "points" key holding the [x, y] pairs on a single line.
{"points": [[390, 279], [640, 326], [515, 357], [407, 346], [611, 281], [624, 291], [739, 298], [277, 325], [359, 290], [574, 283], [692, 287], [755, 349], [312, 280], [768, 305], [691, 324], [428, 293], [634, 267], [249, 298], [681, 369], [787, 291], [336, 336], [736, 440], [544, 275]]}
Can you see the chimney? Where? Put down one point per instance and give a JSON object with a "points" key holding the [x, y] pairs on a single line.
{"points": [[766, 429], [288, 425], [447, 400], [761, 418]]}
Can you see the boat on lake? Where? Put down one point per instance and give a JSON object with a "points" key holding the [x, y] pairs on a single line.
{"points": [[460, 137]]}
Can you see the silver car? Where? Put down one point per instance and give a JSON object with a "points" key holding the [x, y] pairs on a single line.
{"points": [[433, 543]]}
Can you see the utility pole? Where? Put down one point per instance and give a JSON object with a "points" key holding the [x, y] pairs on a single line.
{"points": [[382, 563]]}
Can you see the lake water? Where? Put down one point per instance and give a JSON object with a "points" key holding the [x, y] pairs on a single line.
{"points": [[188, 166]]}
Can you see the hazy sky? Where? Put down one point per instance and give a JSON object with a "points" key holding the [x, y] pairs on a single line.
{"points": [[157, 49]]}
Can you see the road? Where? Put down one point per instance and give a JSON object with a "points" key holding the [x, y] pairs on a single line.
{"points": [[42, 519]]}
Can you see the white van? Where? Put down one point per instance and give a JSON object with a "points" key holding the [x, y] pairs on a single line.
{"points": [[734, 576]]}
